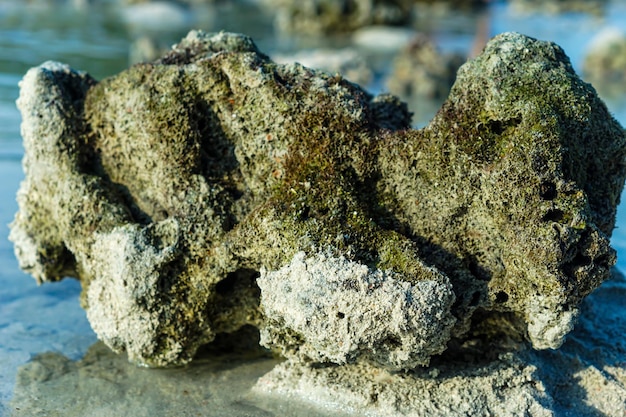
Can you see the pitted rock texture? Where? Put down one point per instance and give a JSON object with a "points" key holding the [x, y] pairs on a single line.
{"points": [[167, 188], [586, 377]]}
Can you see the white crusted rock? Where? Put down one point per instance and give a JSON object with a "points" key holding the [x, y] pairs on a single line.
{"points": [[330, 309]]}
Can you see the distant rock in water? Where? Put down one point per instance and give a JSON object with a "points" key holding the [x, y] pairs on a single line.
{"points": [[332, 16], [605, 62], [170, 189], [422, 76]]}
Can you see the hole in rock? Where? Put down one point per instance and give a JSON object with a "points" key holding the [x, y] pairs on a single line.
{"points": [[478, 270], [243, 342], [475, 299], [553, 215], [305, 213], [496, 127], [603, 260], [580, 260], [340, 315], [502, 297], [392, 342], [238, 278], [547, 190]]}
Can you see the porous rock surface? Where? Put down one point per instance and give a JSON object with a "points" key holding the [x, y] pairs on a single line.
{"points": [[167, 190], [343, 310]]}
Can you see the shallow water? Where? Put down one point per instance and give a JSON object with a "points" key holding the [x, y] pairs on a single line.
{"points": [[95, 39]]}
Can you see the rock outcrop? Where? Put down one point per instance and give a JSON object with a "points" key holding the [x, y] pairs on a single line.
{"points": [[170, 188]]}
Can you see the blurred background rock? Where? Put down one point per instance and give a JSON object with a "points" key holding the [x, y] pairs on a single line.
{"points": [[560, 6], [355, 38], [605, 62]]}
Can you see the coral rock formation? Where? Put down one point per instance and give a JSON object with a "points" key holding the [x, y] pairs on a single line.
{"points": [[169, 189]]}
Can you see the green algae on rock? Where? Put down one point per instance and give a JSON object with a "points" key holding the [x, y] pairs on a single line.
{"points": [[516, 182], [168, 189]]}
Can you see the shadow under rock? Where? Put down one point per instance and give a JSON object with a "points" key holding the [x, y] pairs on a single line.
{"points": [[586, 376]]}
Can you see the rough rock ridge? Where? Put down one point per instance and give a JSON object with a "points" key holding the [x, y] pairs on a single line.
{"points": [[170, 188]]}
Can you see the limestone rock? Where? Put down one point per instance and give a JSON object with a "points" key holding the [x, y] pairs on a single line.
{"points": [[511, 189], [152, 187], [345, 311], [503, 388], [166, 189]]}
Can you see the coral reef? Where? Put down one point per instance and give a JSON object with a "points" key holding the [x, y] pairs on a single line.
{"points": [[171, 189]]}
